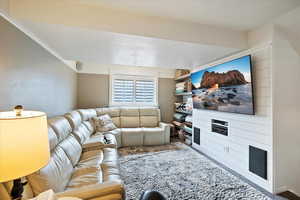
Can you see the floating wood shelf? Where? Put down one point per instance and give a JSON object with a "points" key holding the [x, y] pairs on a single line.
{"points": [[189, 124], [183, 112], [182, 77], [176, 123], [183, 94]]}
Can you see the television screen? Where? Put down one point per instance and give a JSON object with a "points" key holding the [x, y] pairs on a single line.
{"points": [[226, 87]]}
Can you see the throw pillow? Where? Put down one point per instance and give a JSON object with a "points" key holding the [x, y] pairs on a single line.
{"points": [[103, 123]]}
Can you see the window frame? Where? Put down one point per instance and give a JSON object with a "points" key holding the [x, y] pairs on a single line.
{"points": [[134, 78]]}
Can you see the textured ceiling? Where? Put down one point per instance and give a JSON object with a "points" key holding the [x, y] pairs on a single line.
{"points": [[101, 47], [235, 14]]}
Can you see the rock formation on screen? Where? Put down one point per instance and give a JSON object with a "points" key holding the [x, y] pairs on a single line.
{"points": [[233, 77]]}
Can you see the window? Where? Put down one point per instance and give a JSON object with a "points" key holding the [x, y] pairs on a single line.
{"points": [[133, 90]]}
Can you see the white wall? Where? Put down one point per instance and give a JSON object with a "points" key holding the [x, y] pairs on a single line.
{"points": [[244, 130], [261, 35], [4, 5], [286, 112]]}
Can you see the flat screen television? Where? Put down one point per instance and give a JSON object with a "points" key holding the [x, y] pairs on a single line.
{"points": [[225, 87]]}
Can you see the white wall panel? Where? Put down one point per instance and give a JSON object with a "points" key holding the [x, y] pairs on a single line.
{"points": [[244, 130]]}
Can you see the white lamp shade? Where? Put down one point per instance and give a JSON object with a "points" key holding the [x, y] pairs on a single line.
{"points": [[24, 146]]}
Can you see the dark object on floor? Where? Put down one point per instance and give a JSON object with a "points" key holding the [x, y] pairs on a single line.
{"points": [[17, 190], [152, 195], [289, 195]]}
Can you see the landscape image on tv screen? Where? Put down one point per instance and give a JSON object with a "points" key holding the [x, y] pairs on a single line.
{"points": [[226, 87]]}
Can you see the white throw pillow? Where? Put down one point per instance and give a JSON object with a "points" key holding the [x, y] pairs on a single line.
{"points": [[103, 123]]}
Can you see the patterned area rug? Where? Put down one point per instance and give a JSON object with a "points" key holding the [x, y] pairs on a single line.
{"points": [[180, 172]]}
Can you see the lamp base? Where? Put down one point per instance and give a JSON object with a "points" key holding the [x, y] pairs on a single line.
{"points": [[17, 190]]}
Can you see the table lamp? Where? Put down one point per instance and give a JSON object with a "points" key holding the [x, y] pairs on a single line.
{"points": [[24, 146]]}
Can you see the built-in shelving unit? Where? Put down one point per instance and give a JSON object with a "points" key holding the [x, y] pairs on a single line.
{"points": [[182, 108]]}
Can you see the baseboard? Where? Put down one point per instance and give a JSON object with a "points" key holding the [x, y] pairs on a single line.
{"points": [[284, 189], [294, 193], [281, 189]]}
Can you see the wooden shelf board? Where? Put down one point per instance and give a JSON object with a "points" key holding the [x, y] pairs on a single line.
{"points": [[176, 123], [183, 94], [187, 113], [183, 77], [188, 124]]}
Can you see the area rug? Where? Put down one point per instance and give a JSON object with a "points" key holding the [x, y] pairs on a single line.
{"points": [[180, 173]]}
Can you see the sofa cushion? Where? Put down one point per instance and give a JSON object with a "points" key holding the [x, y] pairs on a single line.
{"points": [[74, 119], [90, 159], [130, 122], [149, 111], [132, 137], [87, 114], [85, 176], [61, 127], [95, 142], [129, 111], [95, 167], [153, 136], [53, 140], [103, 123], [90, 126], [130, 117], [110, 173], [55, 175], [112, 112], [82, 134], [72, 148], [116, 121], [149, 121], [149, 117], [110, 157]]}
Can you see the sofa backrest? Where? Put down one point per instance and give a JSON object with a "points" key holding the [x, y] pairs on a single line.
{"points": [[65, 154], [149, 117], [114, 113], [132, 117], [78, 128], [86, 115]]}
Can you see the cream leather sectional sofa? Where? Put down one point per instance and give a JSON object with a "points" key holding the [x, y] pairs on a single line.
{"points": [[84, 163], [137, 126]]}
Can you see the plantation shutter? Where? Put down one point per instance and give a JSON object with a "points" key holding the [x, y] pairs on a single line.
{"points": [[144, 91], [133, 90], [123, 91]]}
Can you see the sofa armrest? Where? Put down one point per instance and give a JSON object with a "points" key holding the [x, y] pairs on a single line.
{"points": [[167, 129], [99, 146], [98, 142], [164, 125], [95, 191]]}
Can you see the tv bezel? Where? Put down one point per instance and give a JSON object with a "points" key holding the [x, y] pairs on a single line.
{"points": [[252, 87]]}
